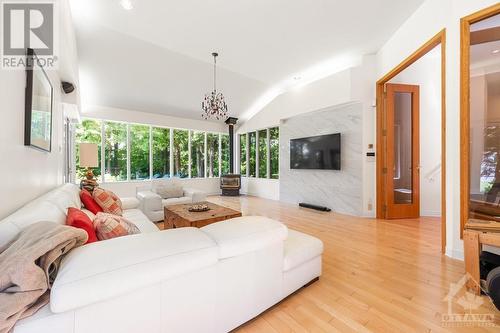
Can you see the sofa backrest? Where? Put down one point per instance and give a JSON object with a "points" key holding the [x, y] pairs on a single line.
{"points": [[151, 185], [51, 206]]}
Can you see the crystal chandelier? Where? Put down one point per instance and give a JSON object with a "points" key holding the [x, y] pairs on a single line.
{"points": [[214, 105]]}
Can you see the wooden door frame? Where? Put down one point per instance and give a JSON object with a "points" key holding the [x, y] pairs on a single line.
{"points": [[438, 39], [465, 24]]}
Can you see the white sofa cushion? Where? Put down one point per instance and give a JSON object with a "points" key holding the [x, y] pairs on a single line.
{"points": [[103, 270], [245, 234], [300, 248], [140, 220], [176, 201]]}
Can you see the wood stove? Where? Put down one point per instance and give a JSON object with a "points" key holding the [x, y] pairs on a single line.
{"points": [[230, 184]]}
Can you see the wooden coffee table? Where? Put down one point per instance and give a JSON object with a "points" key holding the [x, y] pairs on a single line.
{"points": [[178, 216]]}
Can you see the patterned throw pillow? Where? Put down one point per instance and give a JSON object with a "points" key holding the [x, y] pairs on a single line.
{"points": [[169, 191], [109, 226], [108, 201]]}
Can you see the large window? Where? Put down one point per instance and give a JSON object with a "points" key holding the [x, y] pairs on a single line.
{"points": [[274, 149], [212, 155], [197, 154], [161, 152], [262, 154], [89, 131], [139, 152], [181, 153], [252, 149], [225, 154], [243, 154], [115, 151]]}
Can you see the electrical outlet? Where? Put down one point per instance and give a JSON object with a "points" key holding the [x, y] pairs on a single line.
{"points": [[370, 207]]}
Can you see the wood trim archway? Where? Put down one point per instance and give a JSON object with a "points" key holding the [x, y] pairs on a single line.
{"points": [[439, 38], [465, 42]]}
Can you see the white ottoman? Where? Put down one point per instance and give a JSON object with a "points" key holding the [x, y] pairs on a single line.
{"points": [[301, 261]]}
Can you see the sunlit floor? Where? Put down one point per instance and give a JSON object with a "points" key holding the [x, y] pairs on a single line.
{"points": [[378, 276]]}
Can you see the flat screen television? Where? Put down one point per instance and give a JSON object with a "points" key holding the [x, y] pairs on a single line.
{"points": [[316, 152]]}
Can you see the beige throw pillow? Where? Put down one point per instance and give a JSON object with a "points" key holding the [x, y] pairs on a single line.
{"points": [[169, 191]]}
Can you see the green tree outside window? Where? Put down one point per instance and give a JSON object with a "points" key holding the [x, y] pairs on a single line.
{"points": [[161, 152], [225, 154], [139, 152], [274, 148], [115, 151], [181, 153], [212, 155], [252, 141], [263, 153], [197, 154], [243, 154]]}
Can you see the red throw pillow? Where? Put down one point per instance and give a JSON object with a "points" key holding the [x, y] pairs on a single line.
{"points": [[78, 219], [89, 202]]}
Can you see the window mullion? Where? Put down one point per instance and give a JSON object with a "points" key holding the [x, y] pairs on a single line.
{"points": [[150, 152], [268, 153], [205, 156], [220, 154], [103, 152], [171, 152], [189, 153], [128, 152]]}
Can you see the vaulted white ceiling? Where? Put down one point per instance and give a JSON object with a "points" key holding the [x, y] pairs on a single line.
{"points": [[156, 57]]}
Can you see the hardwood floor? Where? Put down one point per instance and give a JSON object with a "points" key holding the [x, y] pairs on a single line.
{"points": [[378, 275]]}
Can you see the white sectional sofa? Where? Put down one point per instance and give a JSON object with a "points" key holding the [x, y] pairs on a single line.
{"points": [[211, 279], [152, 204]]}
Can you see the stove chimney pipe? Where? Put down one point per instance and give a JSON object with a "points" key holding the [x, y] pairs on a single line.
{"points": [[231, 121]]}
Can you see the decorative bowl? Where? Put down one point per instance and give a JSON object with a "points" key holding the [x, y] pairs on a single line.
{"points": [[199, 208]]}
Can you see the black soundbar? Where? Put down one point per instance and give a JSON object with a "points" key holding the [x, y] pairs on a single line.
{"points": [[321, 208]]}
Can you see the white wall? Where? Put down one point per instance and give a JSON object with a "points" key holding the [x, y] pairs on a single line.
{"points": [[26, 172], [426, 73], [140, 117], [427, 21], [128, 189], [261, 187]]}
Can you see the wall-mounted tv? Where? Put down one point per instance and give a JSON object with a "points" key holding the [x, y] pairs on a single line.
{"points": [[316, 152]]}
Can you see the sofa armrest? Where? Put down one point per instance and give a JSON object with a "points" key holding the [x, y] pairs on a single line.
{"points": [[103, 270], [195, 195], [130, 203], [149, 201]]}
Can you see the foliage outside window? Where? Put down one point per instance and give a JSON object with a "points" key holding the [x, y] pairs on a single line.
{"points": [[161, 152], [197, 154], [263, 153], [225, 154], [115, 151], [274, 149], [252, 149], [212, 155], [243, 154], [142, 161], [89, 131], [139, 152], [181, 153]]}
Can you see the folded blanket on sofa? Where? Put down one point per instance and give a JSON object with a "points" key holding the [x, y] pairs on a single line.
{"points": [[28, 267]]}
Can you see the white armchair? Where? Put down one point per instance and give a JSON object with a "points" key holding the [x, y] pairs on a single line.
{"points": [[152, 203]]}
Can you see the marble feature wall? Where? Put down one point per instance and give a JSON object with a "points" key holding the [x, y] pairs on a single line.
{"points": [[342, 191]]}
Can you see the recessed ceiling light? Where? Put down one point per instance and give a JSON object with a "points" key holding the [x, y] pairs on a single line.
{"points": [[495, 51], [127, 4]]}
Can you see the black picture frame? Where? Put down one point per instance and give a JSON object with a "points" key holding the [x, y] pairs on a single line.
{"points": [[39, 104]]}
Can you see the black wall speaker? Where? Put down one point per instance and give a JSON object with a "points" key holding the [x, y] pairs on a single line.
{"points": [[67, 87]]}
